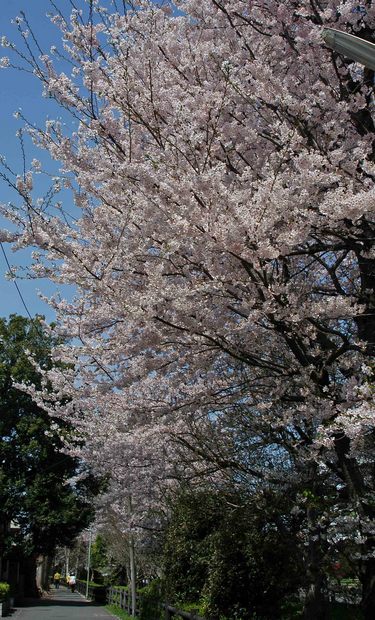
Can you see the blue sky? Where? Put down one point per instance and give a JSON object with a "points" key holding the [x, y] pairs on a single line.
{"points": [[19, 90]]}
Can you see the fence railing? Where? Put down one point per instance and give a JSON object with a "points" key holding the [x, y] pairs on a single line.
{"points": [[121, 598], [81, 587], [95, 593], [339, 593]]}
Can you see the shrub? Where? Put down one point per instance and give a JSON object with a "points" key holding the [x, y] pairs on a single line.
{"points": [[151, 601], [237, 555], [4, 590]]}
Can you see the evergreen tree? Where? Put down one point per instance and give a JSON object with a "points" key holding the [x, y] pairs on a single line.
{"points": [[36, 491]]}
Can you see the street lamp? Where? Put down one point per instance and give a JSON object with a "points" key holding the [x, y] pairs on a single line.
{"points": [[351, 46]]}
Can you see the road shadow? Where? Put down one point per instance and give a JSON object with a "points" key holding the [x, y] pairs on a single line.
{"points": [[56, 601]]}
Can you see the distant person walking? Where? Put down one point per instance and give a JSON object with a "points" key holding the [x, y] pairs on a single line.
{"points": [[72, 582], [56, 579]]}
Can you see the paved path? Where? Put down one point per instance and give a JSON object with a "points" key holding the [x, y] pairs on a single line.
{"points": [[61, 604]]}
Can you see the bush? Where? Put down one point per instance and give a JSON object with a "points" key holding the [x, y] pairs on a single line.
{"points": [[4, 591], [232, 555], [97, 591], [198, 608], [151, 601]]}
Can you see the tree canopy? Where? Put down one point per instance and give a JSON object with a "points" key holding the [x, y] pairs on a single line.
{"points": [[37, 488], [222, 165]]}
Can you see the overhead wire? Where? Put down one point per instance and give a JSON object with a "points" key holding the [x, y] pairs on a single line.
{"points": [[19, 292], [29, 313], [15, 281], [66, 457]]}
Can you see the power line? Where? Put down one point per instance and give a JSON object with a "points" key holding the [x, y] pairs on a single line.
{"points": [[48, 468], [14, 280], [29, 314]]}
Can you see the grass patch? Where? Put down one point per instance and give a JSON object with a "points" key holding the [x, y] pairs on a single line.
{"points": [[117, 611]]}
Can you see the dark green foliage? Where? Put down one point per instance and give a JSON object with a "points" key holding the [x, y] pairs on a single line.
{"points": [[240, 555], [34, 492], [188, 545], [99, 559], [151, 601], [343, 611], [4, 590]]}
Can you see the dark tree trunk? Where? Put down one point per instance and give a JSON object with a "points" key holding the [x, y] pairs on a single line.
{"points": [[315, 607], [351, 474], [368, 590], [351, 471]]}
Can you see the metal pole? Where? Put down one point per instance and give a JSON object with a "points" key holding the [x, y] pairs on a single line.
{"points": [[133, 576], [88, 564], [67, 557]]}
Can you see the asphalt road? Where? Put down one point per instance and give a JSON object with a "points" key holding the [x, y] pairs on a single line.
{"points": [[60, 604]]}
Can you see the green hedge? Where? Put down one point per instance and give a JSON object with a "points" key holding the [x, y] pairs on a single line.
{"points": [[4, 590], [98, 590], [198, 608], [92, 584], [151, 602]]}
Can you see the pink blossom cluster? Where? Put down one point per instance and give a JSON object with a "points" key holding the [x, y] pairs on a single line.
{"points": [[222, 167]]}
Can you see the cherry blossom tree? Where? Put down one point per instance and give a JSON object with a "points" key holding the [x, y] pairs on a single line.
{"points": [[222, 168]]}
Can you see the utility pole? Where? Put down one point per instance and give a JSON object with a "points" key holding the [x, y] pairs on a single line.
{"points": [[133, 579], [88, 563], [133, 571], [67, 557]]}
